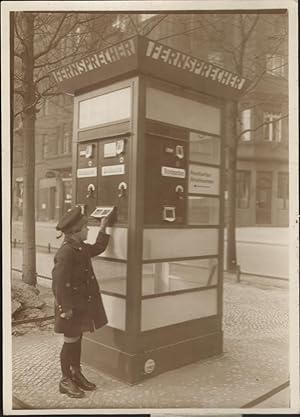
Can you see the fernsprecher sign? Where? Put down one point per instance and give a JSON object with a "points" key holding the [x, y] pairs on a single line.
{"points": [[142, 55], [96, 61], [194, 65]]}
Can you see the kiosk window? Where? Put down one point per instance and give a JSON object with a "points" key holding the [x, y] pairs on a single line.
{"points": [[107, 108], [111, 275], [203, 210], [181, 111], [204, 148], [165, 277]]}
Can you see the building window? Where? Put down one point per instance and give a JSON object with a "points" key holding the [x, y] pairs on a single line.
{"points": [[66, 140], [272, 128], [216, 58], [45, 146], [50, 145], [45, 107], [243, 189], [246, 125], [67, 194], [283, 190], [275, 65]]}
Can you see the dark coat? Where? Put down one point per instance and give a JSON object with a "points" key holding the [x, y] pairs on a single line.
{"points": [[75, 287]]}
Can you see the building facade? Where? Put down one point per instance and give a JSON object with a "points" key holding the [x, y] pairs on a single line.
{"points": [[262, 167]]}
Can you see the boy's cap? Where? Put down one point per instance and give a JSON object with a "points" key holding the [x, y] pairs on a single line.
{"points": [[73, 217]]}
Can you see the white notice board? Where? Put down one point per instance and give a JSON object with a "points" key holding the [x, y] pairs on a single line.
{"points": [[203, 179]]}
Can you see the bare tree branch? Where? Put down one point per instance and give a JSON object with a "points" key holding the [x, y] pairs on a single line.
{"points": [[261, 125], [156, 24], [53, 41], [133, 24]]}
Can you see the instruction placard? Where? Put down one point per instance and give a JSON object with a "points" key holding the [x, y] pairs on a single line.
{"points": [[203, 180]]}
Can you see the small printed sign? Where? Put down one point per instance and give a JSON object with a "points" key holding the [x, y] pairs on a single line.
{"points": [[169, 149], [87, 172], [203, 180], [173, 172], [113, 170], [110, 150]]}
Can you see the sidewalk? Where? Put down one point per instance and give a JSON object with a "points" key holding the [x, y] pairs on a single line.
{"points": [[260, 250], [254, 361]]}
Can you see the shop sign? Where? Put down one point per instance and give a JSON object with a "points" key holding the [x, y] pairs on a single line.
{"points": [[113, 170], [173, 172], [86, 172], [203, 180]]}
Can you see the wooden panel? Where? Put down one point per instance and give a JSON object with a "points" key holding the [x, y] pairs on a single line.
{"points": [[104, 131], [175, 333], [130, 368]]}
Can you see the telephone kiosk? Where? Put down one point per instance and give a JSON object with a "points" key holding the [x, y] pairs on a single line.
{"points": [[148, 145]]}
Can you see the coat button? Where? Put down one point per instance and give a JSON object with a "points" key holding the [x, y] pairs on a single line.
{"points": [[86, 270], [92, 277], [68, 285]]}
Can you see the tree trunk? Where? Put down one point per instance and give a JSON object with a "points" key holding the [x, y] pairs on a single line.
{"points": [[28, 118], [231, 139]]}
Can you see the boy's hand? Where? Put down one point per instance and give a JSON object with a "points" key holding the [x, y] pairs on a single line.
{"points": [[67, 314]]}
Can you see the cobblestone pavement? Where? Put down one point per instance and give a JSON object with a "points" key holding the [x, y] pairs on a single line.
{"points": [[255, 361]]}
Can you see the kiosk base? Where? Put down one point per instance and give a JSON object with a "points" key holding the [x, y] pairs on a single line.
{"points": [[100, 350]]}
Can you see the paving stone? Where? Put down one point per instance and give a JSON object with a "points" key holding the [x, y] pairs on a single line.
{"points": [[255, 360]]}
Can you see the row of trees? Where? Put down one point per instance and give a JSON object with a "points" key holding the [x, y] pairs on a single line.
{"points": [[44, 41]]}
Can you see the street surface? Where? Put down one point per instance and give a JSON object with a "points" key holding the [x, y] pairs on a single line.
{"points": [[260, 250], [255, 361]]}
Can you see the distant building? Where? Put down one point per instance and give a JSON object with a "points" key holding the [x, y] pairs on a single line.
{"points": [[262, 176]]}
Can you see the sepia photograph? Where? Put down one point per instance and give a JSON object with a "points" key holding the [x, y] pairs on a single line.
{"points": [[150, 207]]}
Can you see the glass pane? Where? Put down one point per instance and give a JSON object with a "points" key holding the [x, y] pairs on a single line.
{"points": [[169, 309], [180, 111], [203, 210], [204, 148], [179, 275], [179, 243], [107, 108], [110, 275]]}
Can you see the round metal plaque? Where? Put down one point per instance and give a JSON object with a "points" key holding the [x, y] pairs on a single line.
{"points": [[149, 366]]}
